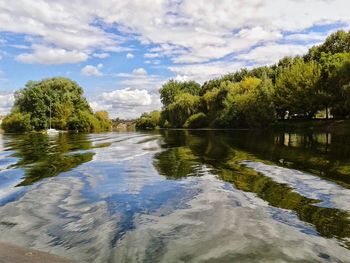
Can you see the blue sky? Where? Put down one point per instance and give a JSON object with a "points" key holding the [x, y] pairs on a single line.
{"points": [[121, 52]]}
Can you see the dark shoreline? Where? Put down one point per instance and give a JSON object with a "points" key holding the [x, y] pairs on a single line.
{"points": [[330, 125]]}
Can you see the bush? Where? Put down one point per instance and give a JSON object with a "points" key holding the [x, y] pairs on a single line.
{"points": [[84, 121], [104, 122], [144, 123], [198, 120], [148, 120], [16, 122], [184, 106]]}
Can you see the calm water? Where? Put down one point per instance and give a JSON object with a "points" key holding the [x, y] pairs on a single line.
{"points": [[178, 196]]}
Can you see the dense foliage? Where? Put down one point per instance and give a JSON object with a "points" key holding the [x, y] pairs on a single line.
{"points": [[69, 109], [294, 88], [148, 120]]}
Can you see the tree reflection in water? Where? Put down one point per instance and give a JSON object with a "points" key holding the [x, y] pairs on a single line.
{"points": [[42, 156], [323, 154]]}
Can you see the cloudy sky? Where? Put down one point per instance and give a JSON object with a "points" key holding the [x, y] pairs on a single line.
{"points": [[121, 52]]}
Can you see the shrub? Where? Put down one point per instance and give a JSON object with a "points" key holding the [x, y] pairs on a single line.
{"points": [[148, 120], [17, 122], [198, 120]]}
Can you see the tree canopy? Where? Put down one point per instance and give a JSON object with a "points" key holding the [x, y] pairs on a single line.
{"points": [[64, 98], [294, 87]]}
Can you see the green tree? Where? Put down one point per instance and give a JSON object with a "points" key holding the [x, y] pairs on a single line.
{"points": [[198, 120], [148, 120], [63, 97], [295, 87], [213, 102], [183, 107], [16, 122], [83, 121], [296, 90], [248, 104], [338, 42], [104, 120], [173, 88], [335, 76]]}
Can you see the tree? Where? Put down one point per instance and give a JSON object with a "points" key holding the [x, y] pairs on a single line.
{"points": [[335, 75], [198, 120], [210, 85], [83, 121], [183, 107], [173, 88], [105, 122], [102, 115], [148, 120], [248, 104], [63, 97], [295, 87], [296, 90], [16, 122], [338, 42], [213, 102]]}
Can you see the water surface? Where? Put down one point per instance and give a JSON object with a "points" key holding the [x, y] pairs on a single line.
{"points": [[178, 196]]}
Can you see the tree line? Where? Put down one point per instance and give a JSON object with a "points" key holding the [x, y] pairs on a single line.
{"points": [[61, 97], [302, 87]]}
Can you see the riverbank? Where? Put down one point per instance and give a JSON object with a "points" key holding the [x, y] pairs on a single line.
{"points": [[316, 125], [337, 126], [15, 254]]}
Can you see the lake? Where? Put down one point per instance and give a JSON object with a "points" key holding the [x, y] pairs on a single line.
{"points": [[178, 196]]}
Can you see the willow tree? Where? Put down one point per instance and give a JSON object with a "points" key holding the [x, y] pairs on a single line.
{"points": [[182, 108]]}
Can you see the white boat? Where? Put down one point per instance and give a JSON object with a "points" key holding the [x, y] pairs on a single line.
{"points": [[51, 131]]}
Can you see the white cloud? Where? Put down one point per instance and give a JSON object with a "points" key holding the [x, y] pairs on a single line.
{"points": [[127, 103], [48, 55], [128, 97], [307, 37], [137, 92], [153, 62], [6, 102], [205, 71], [186, 31], [181, 78], [139, 79], [129, 56], [19, 46], [272, 52], [139, 71], [101, 55], [61, 26], [90, 70], [151, 55]]}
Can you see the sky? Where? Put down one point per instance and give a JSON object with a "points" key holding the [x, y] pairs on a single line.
{"points": [[121, 52]]}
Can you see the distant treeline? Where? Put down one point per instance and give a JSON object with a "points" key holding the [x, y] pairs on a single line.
{"points": [[315, 85], [69, 109]]}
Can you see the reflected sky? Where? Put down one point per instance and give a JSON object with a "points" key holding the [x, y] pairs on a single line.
{"points": [[174, 196], [310, 186]]}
